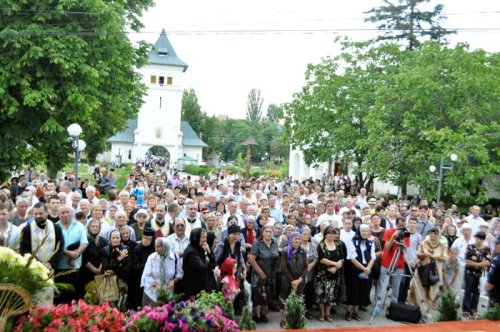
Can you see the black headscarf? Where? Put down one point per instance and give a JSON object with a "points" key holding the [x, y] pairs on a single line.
{"points": [[194, 238]]}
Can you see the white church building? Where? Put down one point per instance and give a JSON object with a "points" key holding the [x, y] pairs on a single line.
{"points": [[299, 170], [158, 123]]}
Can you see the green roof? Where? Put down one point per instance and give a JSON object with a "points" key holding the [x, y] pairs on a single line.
{"points": [[126, 136], [189, 136], [187, 158], [164, 54]]}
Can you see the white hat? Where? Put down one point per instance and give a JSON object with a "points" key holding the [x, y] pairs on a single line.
{"points": [[141, 211]]}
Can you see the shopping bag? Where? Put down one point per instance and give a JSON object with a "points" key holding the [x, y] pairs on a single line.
{"points": [[107, 288]]}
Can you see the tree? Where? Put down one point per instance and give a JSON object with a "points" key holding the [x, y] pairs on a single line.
{"points": [[65, 62], [403, 20], [254, 106], [391, 114], [439, 101], [274, 113], [327, 118], [191, 111]]}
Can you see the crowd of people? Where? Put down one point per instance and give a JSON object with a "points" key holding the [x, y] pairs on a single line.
{"points": [[256, 241]]}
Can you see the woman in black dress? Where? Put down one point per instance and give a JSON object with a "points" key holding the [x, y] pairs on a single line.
{"points": [[360, 260], [331, 256], [198, 264], [139, 258], [264, 260], [91, 258], [293, 269], [116, 261]]}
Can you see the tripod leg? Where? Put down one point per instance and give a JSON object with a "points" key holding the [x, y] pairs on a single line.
{"points": [[384, 285]]}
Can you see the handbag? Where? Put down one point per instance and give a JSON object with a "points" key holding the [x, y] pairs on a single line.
{"points": [[428, 274], [107, 288], [433, 273]]}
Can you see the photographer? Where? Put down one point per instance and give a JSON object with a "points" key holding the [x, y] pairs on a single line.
{"points": [[393, 238], [411, 258]]}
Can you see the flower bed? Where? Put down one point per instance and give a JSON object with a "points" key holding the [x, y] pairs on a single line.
{"points": [[76, 317], [180, 316], [173, 316]]}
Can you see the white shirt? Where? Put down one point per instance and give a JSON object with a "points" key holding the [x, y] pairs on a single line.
{"points": [[474, 223], [352, 253], [330, 217], [11, 234], [346, 237], [461, 244], [151, 274], [177, 244]]}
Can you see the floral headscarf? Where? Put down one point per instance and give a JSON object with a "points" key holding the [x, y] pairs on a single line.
{"points": [[291, 250]]}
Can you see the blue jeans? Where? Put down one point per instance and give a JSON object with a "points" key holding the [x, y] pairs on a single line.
{"points": [[471, 293], [395, 283]]}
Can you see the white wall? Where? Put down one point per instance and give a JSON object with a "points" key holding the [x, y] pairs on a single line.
{"points": [[161, 111], [300, 171], [193, 151]]}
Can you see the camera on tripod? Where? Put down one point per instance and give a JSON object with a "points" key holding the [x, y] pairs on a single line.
{"points": [[402, 234]]}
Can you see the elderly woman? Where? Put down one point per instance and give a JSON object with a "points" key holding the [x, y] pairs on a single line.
{"points": [[115, 261], [91, 257], [360, 260], [311, 250], [264, 260], [140, 218], [162, 271], [293, 269], [331, 255], [431, 250], [198, 264], [139, 257]]}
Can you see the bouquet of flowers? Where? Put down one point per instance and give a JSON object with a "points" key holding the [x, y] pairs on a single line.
{"points": [[179, 316], [73, 317], [24, 271]]}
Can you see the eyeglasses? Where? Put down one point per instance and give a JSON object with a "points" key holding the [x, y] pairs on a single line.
{"points": [[412, 210], [433, 232], [179, 226], [193, 209]]}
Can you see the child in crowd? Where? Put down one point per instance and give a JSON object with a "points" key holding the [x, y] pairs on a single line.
{"points": [[450, 269], [230, 286]]}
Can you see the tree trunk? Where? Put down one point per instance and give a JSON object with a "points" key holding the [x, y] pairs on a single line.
{"points": [[51, 170]]}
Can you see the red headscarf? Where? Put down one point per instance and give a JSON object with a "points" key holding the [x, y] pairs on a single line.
{"points": [[227, 269]]}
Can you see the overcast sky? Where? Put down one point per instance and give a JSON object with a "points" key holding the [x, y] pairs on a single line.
{"points": [[232, 46]]}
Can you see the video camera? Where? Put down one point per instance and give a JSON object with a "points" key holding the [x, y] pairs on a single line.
{"points": [[402, 234]]}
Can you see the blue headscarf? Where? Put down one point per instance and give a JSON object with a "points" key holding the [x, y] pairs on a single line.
{"points": [[291, 250]]}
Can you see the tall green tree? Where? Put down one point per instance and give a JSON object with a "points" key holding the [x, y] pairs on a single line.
{"points": [[191, 111], [407, 21], [64, 62], [274, 113], [327, 119], [440, 101], [254, 105]]}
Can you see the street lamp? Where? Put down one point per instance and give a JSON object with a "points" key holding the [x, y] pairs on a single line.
{"points": [[74, 131], [442, 168]]}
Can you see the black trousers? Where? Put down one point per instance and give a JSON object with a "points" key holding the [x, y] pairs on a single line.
{"points": [[405, 285]]}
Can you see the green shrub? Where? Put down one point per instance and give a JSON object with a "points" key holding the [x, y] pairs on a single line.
{"points": [[207, 301], [295, 312], [246, 321], [448, 307], [493, 313], [228, 310]]}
